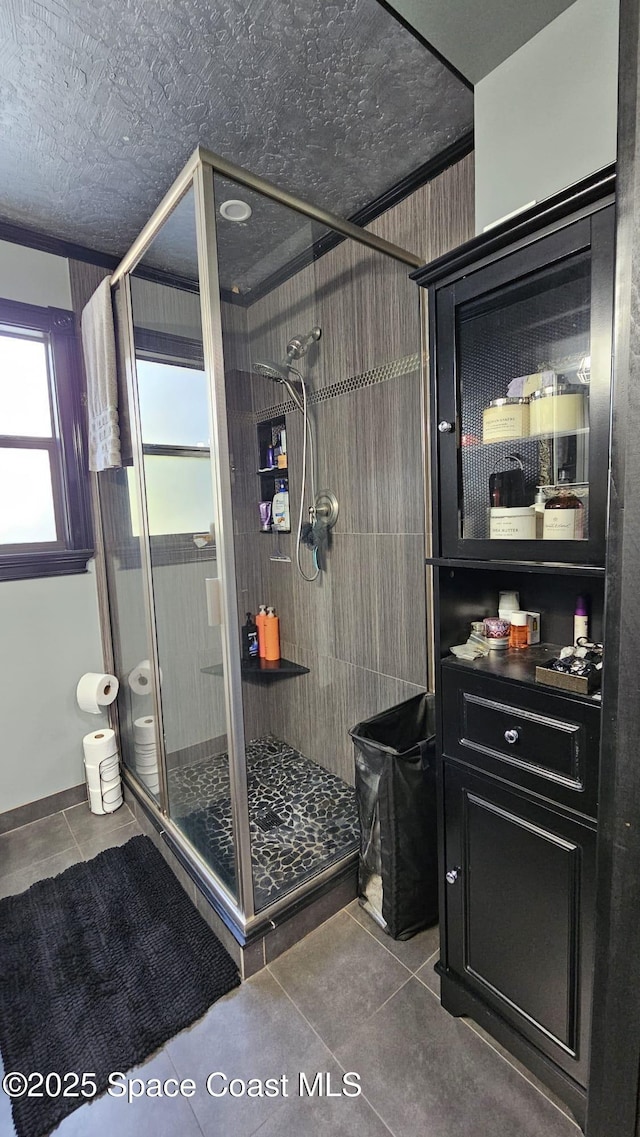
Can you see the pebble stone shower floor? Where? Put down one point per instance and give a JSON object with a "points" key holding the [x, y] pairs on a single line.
{"points": [[302, 818]]}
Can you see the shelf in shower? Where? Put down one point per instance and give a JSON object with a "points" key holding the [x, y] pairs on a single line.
{"points": [[262, 670]]}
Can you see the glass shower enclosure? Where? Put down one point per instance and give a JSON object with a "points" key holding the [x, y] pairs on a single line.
{"points": [[244, 333]]}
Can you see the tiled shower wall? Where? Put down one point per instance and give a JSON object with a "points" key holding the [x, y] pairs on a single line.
{"points": [[361, 627]]}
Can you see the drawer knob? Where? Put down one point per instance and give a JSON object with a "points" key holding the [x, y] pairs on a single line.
{"points": [[446, 427], [511, 736], [452, 876]]}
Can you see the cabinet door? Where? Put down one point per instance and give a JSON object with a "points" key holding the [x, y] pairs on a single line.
{"points": [[523, 351], [519, 912]]}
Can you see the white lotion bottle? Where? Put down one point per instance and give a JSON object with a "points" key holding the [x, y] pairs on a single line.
{"points": [[281, 517]]}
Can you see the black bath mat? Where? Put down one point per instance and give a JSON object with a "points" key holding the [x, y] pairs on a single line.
{"points": [[98, 968]]}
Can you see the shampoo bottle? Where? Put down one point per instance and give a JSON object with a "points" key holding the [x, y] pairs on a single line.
{"points": [[249, 631], [281, 518], [260, 621], [272, 635]]}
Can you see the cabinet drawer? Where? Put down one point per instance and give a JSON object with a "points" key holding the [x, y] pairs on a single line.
{"points": [[546, 743]]}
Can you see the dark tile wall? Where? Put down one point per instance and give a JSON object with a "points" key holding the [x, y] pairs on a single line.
{"points": [[361, 627]]}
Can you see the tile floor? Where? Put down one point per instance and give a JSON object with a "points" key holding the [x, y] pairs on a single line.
{"points": [[346, 998]]}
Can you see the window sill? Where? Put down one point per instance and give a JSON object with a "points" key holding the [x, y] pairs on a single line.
{"points": [[57, 562]]}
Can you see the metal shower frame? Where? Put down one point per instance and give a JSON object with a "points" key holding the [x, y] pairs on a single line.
{"points": [[198, 174]]}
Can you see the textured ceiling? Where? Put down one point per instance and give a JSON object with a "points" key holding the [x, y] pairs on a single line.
{"points": [[102, 102]]}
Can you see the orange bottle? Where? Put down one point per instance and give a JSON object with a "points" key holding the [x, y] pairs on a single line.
{"points": [[271, 635], [260, 622]]}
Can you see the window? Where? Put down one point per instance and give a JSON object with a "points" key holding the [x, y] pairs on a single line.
{"points": [[174, 415], [45, 526], [174, 419]]}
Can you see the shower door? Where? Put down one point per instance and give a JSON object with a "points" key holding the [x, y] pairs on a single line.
{"points": [[260, 354], [164, 567]]}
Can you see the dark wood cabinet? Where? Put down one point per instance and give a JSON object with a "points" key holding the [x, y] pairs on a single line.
{"points": [[519, 912], [523, 313]]}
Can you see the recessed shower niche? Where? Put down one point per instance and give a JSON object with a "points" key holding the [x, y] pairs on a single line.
{"points": [[278, 354]]}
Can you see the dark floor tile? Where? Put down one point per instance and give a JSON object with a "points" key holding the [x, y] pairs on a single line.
{"points": [[86, 825], [15, 882], [302, 923], [34, 842], [522, 1069], [413, 953], [427, 1073], [254, 1032], [101, 841], [321, 1115], [339, 976], [428, 975], [144, 1117], [43, 807]]}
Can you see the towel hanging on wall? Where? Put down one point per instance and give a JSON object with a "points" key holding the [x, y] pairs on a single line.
{"points": [[99, 349]]}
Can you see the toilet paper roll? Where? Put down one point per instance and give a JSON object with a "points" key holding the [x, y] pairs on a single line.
{"points": [[98, 745], [110, 768], [110, 807], [110, 797], [95, 691], [140, 679], [144, 729]]}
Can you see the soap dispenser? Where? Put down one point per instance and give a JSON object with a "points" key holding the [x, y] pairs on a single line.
{"points": [[260, 622]]}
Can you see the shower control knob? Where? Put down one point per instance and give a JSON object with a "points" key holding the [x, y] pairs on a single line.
{"points": [[452, 876], [446, 427]]}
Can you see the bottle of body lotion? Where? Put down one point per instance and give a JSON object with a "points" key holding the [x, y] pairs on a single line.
{"points": [[272, 636], [281, 518]]}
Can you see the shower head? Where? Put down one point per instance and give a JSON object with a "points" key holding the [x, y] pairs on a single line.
{"points": [[270, 370], [299, 345]]}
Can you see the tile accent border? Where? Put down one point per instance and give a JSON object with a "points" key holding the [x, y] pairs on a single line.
{"points": [[393, 370]]}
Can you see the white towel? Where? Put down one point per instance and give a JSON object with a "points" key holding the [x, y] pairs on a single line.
{"points": [[99, 349]]}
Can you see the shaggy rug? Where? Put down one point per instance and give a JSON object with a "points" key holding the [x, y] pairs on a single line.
{"points": [[99, 967]]}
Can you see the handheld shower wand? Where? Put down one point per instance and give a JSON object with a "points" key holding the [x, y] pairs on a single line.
{"points": [[280, 373]]}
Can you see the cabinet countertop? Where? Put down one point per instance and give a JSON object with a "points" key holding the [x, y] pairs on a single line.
{"points": [[518, 667]]}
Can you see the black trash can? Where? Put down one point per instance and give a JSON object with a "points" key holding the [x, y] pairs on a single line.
{"points": [[396, 796]]}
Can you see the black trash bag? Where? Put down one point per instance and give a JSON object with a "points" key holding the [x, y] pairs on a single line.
{"points": [[396, 796]]}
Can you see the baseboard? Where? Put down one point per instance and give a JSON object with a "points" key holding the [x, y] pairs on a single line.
{"points": [[44, 807]]}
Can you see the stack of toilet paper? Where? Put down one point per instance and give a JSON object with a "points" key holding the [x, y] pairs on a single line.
{"points": [[145, 752], [102, 771]]}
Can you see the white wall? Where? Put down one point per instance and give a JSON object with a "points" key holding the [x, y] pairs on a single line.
{"points": [[546, 117], [50, 636], [50, 629], [33, 277]]}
